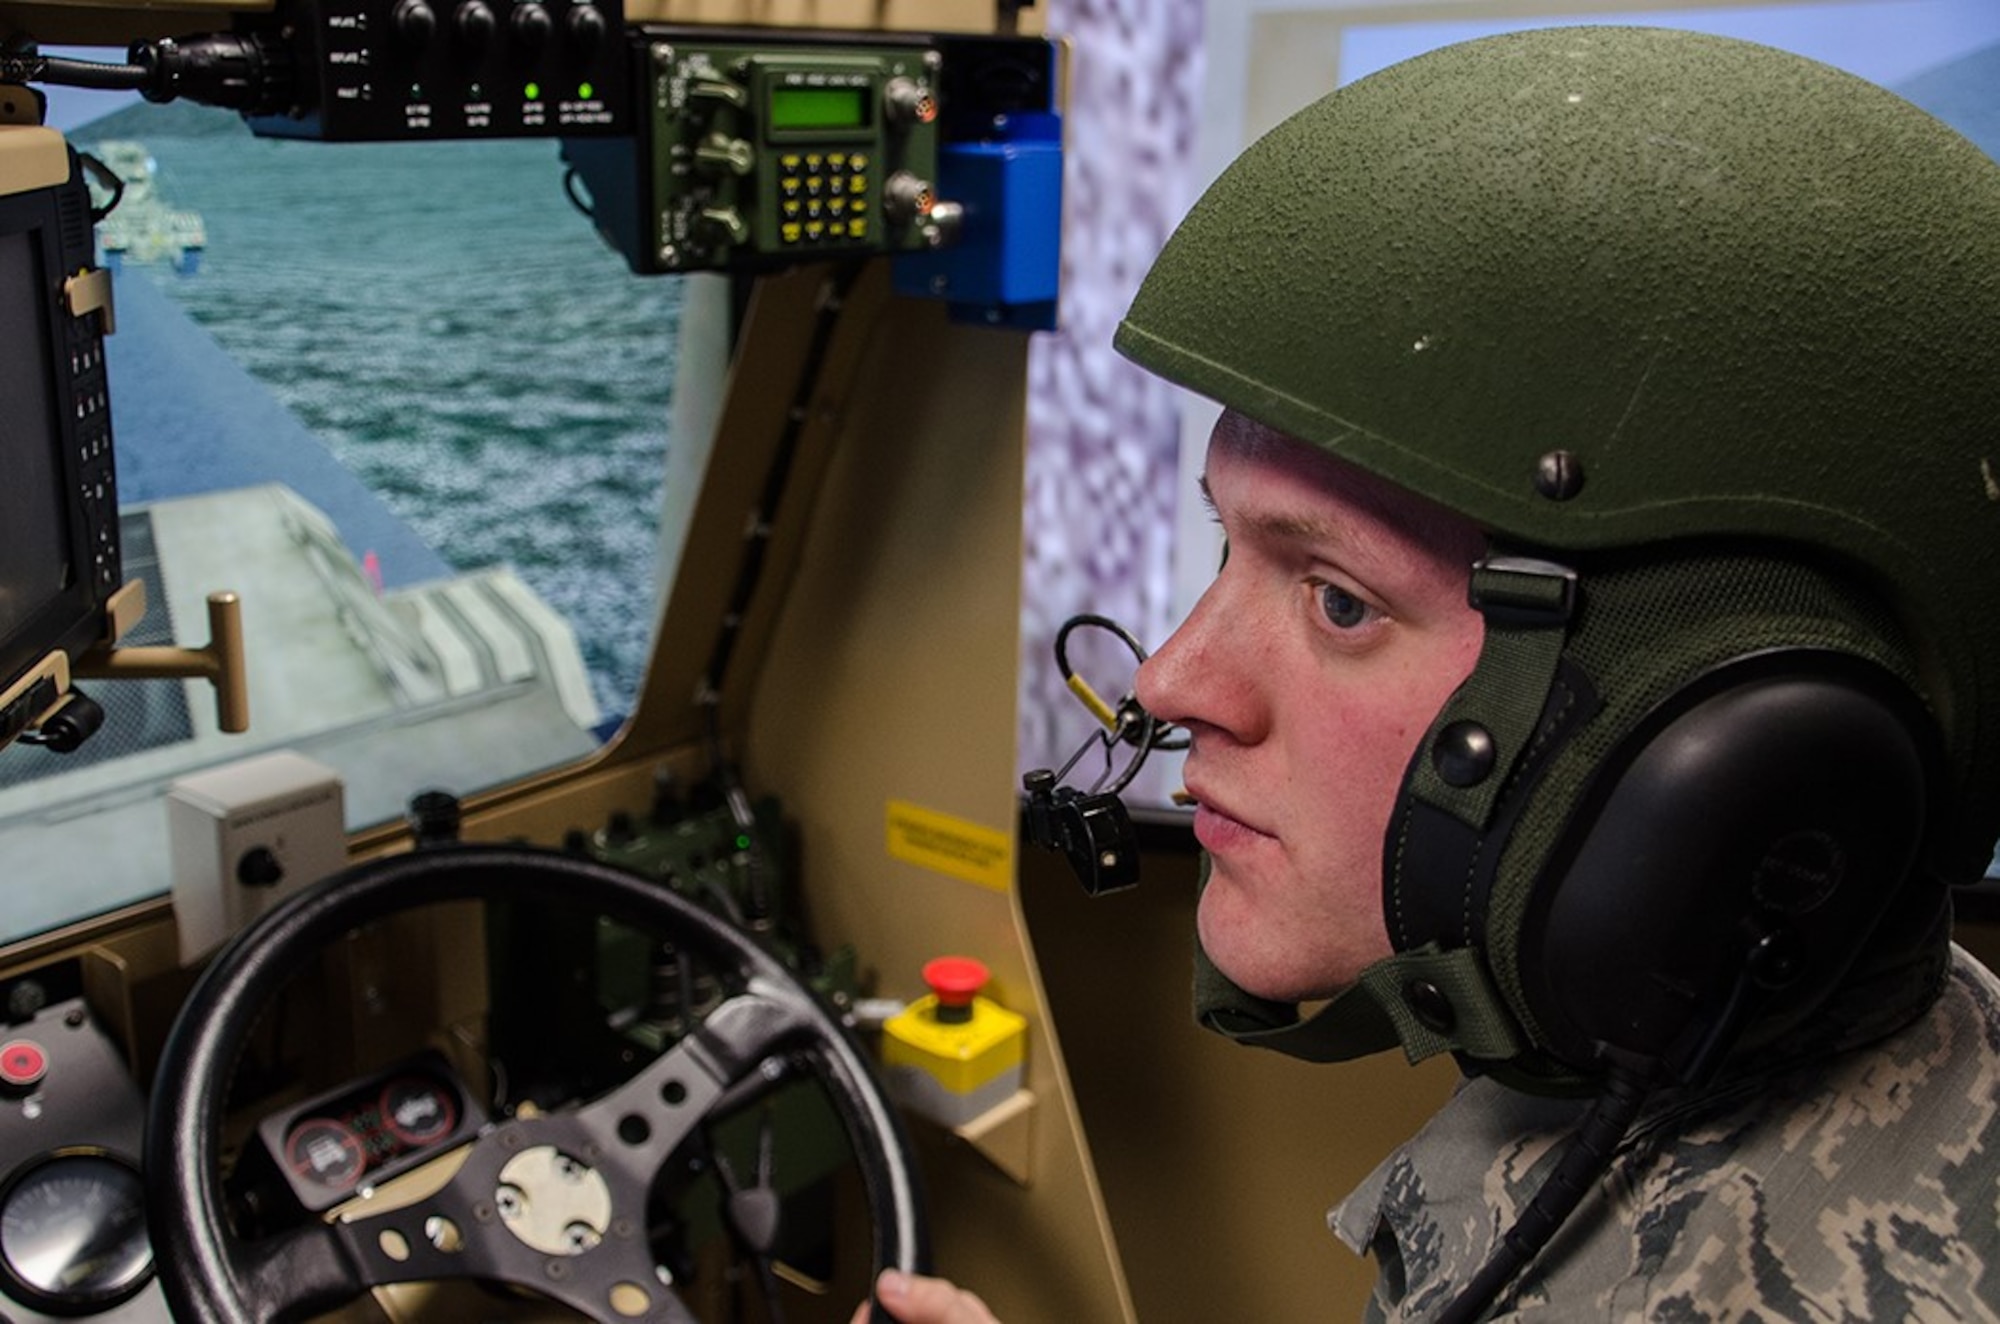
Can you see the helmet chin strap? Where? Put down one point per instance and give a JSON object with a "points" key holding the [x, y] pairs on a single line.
{"points": [[1429, 1001]]}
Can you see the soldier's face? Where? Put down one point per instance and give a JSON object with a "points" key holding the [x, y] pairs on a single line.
{"points": [[1332, 635]]}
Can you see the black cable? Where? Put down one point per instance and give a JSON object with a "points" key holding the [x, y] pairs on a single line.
{"points": [[757, 533], [756, 540], [1129, 723], [572, 186], [33, 67], [1584, 1161]]}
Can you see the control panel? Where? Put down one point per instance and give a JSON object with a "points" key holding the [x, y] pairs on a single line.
{"points": [[359, 1134], [386, 70], [756, 151], [808, 152], [73, 1238]]}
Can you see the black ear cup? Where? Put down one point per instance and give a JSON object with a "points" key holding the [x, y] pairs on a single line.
{"points": [[1728, 861]]}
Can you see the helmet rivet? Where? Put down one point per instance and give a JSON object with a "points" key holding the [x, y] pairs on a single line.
{"points": [[1559, 475], [1463, 754], [1429, 1005]]}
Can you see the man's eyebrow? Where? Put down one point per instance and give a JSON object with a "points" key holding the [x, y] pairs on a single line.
{"points": [[1285, 526]]}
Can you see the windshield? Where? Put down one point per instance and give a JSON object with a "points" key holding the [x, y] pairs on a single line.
{"points": [[402, 400]]}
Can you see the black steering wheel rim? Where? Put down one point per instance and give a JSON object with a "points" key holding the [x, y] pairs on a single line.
{"points": [[205, 1269]]}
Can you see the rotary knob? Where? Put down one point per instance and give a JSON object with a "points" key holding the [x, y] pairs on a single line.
{"points": [[530, 27], [474, 24], [414, 24], [260, 867], [586, 26], [907, 198], [725, 225], [720, 154], [908, 102]]}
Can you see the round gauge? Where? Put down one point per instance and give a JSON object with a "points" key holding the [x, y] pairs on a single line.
{"points": [[323, 1152], [73, 1232], [418, 1110]]}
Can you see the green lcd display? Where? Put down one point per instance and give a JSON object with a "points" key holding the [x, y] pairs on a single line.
{"points": [[795, 108]]}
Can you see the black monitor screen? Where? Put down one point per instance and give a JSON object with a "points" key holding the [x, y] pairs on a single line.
{"points": [[35, 564]]}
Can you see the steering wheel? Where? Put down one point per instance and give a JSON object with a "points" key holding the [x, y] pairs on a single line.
{"points": [[590, 1167]]}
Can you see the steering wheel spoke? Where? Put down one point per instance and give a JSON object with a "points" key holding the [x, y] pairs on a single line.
{"points": [[534, 1225], [297, 1273], [648, 1117]]}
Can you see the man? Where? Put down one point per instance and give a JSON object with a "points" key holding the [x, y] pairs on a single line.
{"points": [[1602, 683]]}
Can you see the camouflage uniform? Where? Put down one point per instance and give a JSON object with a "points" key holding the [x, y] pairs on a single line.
{"points": [[1862, 1185]]}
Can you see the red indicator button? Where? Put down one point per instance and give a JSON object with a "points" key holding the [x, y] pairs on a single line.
{"points": [[23, 1063], [955, 979]]}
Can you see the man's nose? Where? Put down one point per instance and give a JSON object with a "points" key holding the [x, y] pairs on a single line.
{"points": [[1193, 681]]}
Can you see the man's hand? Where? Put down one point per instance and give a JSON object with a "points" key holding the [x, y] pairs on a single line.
{"points": [[915, 1300]]}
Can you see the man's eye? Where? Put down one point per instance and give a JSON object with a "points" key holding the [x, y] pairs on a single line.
{"points": [[1342, 608]]}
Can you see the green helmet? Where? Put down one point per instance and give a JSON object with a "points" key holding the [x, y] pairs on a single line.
{"points": [[1714, 326]]}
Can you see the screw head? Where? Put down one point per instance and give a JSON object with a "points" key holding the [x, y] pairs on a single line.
{"points": [[1559, 475]]}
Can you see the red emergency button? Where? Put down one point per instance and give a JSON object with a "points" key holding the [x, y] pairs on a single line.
{"points": [[22, 1065], [955, 980]]}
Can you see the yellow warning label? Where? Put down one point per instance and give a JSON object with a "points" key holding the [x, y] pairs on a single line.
{"points": [[950, 845]]}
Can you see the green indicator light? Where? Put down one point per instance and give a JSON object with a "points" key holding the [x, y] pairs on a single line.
{"points": [[533, 92], [587, 91], [742, 842]]}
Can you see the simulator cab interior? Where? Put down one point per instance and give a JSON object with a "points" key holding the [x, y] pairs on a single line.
{"points": [[558, 467]]}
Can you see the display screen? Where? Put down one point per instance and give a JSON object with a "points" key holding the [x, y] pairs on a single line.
{"points": [[34, 529], [794, 108]]}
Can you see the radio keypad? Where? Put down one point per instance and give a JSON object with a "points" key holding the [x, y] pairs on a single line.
{"points": [[823, 198]]}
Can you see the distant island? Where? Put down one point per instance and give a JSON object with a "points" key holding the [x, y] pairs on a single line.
{"points": [[147, 120]]}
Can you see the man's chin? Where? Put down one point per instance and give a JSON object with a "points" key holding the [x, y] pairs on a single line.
{"points": [[1240, 959], [1243, 952]]}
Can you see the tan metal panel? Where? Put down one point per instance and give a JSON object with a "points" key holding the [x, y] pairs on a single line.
{"points": [[892, 676]]}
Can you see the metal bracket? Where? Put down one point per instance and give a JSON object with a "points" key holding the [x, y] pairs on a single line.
{"points": [[220, 662]]}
